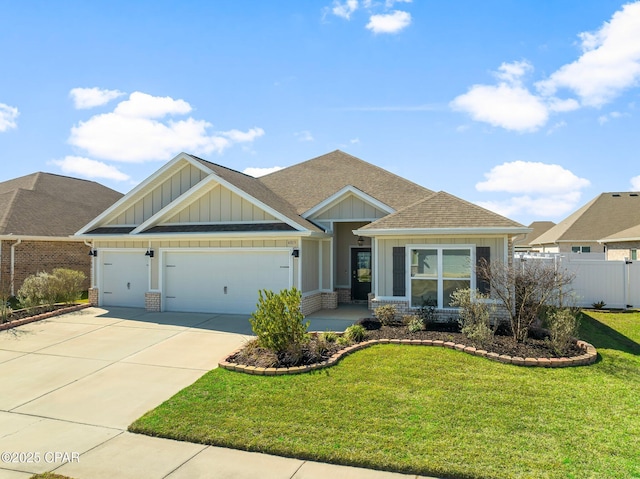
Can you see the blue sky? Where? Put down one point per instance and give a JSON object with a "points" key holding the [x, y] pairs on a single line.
{"points": [[527, 107]]}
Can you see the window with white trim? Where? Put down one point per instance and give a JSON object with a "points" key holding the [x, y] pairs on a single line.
{"points": [[581, 249], [435, 272]]}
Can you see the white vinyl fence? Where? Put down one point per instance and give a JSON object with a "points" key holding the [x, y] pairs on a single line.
{"points": [[616, 283]]}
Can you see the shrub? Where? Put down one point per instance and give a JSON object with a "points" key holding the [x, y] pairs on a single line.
{"points": [[355, 333], [328, 337], [563, 326], [387, 314], [278, 321], [475, 315], [427, 313], [38, 289], [414, 323], [69, 284], [599, 305]]}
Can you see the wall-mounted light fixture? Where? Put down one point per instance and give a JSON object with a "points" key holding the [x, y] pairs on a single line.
{"points": [[295, 253], [93, 252], [360, 240], [149, 253]]}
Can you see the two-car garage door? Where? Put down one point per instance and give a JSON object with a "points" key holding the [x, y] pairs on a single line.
{"points": [[223, 282]]}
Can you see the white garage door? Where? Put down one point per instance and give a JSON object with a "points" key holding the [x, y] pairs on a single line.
{"points": [[222, 282], [125, 278]]}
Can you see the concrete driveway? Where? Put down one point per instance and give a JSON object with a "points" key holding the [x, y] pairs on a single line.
{"points": [[70, 386]]}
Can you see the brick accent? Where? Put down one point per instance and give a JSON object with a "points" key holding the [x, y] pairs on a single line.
{"points": [[94, 296], [32, 257], [152, 301], [401, 306], [344, 295], [330, 300]]}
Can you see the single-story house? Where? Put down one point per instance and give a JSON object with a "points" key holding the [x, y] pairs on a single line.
{"points": [[197, 236], [581, 232], [39, 213], [522, 244], [623, 245]]}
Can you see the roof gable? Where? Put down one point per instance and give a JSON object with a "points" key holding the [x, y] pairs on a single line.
{"points": [[443, 211], [349, 203], [537, 228], [309, 183], [603, 216], [45, 204]]}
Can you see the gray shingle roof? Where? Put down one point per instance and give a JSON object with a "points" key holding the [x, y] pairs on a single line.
{"points": [[606, 214], [309, 183], [537, 227], [45, 204], [442, 210]]}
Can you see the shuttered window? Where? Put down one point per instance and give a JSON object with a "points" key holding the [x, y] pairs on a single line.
{"points": [[399, 278], [483, 254]]}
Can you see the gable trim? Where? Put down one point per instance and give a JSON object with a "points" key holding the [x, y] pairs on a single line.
{"points": [[134, 194], [440, 231], [337, 197]]}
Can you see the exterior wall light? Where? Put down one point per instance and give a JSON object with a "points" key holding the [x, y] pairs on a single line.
{"points": [[149, 253]]}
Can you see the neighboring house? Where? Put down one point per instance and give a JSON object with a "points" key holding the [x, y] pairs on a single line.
{"points": [[623, 245], [523, 243], [38, 215], [196, 236], [581, 232]]}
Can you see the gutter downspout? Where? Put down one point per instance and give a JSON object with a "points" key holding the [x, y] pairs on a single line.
{"points": [[13, 265]]}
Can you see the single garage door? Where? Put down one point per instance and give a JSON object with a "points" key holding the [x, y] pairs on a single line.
{"points": [[125, 278], [222, 282]]}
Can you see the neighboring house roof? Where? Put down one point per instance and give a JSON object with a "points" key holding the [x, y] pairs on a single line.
{"points": [[307, 184], [630, 234], [443, 211], [606, 214], [45, 204], [537, 228]]}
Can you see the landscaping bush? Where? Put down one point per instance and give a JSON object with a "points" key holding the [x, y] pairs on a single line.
{"points": [[355, 333], [414, 323], [475, 315], [427, 313], [38, 289], [386, 314], [563, 327], [69, 284], [328, 337], [278, 321]]}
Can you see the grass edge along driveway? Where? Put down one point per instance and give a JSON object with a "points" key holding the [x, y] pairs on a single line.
{"points": [[431, 411]]}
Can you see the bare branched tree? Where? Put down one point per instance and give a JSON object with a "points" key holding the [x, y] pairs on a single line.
{"points": [[525, 288]]}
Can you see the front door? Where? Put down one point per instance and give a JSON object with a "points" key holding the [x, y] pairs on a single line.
{"points": [[360, 273]]}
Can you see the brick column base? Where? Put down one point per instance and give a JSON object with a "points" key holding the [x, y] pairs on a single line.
{"points": [[330, 300], [94, 296], [152, 302]]}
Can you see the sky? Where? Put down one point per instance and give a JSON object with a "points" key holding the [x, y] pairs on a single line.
{"points": [[527, 107]]}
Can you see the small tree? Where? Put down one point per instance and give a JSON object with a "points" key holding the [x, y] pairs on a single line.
{"points": [[525, 287], [277, 322]]}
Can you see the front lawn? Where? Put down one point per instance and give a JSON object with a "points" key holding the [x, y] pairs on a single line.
{"points": [[431, 411]]}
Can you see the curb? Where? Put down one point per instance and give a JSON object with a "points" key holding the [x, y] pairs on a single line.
{"points": [[39, 317]]}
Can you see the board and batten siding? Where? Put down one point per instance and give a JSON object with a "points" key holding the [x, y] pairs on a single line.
{"points": [[351, 208], [326, 265], [385, 254], [159, 197], [220, 205], [310, 266]]}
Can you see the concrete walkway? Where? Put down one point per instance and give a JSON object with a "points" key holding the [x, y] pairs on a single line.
{"points": [[70, 386]]}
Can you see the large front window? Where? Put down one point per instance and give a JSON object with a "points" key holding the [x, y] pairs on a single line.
{"points": [[436, 272]]}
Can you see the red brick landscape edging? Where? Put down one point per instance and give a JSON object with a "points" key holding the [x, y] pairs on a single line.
{"points": [[38, 317], [589, 357]]}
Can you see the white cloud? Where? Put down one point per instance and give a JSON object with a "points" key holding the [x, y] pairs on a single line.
{"points": [[507, 106], [556, 126], [257, 172], [389, 22], [344, 10], [86, 168], [8, 115], [610, 62], [602, 119], [546, 190], [390, 3], [304, 135], [635, 183], [136, 131], [531, 177], [354, 141], [84, 98], [512, 73]]}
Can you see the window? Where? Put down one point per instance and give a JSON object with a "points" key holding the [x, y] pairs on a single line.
{"points": [[634, 254], [436, 272], [581, 249]]}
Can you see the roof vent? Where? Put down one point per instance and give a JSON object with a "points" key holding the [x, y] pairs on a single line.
{"points": [[616, 195], [633, 194]]}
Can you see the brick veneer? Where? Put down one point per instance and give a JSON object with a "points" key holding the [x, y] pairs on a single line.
{"points": [[32, 257], [152, 301], [344, 295], [94, 296]]}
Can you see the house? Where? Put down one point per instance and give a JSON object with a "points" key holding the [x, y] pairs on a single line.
{"points": [[523, 243], [197, 236], [623, 245], [581, 232], [38, 215]]}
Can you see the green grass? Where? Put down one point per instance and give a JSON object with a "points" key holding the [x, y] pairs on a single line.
{"points": [[432, 411]]}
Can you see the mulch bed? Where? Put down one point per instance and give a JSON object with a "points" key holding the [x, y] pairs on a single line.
{"points": [[503, 343]]}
